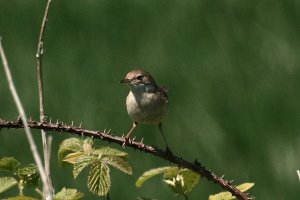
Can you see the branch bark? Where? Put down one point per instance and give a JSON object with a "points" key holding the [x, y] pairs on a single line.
{"points": [[108, 136]]}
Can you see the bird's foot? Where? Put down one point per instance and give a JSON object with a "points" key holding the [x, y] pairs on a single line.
{"points": [[127, 140], [142, 143]]}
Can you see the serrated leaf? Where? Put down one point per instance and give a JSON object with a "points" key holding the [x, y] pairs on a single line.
{"points": [[119, 163], [68, 194], [89, 141], [9, 164], [245, 186], [149, 174], [82, 162], [67, 146], [107, 151], [227, 195], [29, 175], [171, 173], [21, 198], [181, 181], [99, 179], [87, 148], [191, 179], [72, 157], [221, 196], [7, 183]]}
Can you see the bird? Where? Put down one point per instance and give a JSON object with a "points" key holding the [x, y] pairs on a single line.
{"points": [[146, 102]]}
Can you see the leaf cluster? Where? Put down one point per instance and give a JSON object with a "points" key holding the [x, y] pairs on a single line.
{"points": [[81, 154], [180, 181], [22, 177]]}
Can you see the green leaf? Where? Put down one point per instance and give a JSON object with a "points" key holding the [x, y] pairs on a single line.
{"points": [[68, 194], [82, 162], [171, 172], [191, 179], [181, 181], [7, 183], [68, 146], [149, 174], [21, 198], [228, 196], [107, 151], [221, 196], [99, 179], [245, 186], [87, 148], [9, 164], [29, 175], [72, 157], [119, 163]]}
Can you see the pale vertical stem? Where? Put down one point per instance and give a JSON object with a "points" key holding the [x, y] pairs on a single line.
{"points": [[21, 111], [39, 55]]}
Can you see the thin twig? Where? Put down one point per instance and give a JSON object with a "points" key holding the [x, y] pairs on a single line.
{"points": [[21, 111], [48, 189], [195, 166]]}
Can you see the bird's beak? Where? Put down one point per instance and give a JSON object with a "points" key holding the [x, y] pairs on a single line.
{"points": [[124, 81]]}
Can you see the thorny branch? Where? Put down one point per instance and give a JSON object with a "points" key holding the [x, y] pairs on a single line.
{"points": [[107, 136]]}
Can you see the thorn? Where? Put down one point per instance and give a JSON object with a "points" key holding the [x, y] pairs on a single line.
{"points": [[133, 139], [124, 143], [57, 121], [72, 124], [50, 120], [19, 119], [80, 124], [104, 130], [197, 162], [142, 140], [123, 135], [109, 131]]}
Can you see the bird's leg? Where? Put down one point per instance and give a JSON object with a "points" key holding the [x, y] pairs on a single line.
{"points": [[134, 125], [162, 133]]}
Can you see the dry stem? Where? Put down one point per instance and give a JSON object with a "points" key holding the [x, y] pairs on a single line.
{"points": [[22, 113]]}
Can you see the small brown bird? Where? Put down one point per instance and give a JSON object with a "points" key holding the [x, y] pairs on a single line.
{"points": [[146, 102]]}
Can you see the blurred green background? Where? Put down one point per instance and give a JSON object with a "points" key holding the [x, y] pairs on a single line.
{"points": [[232, 68]]}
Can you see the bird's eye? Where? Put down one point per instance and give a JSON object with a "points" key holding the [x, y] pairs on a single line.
{"points": [[139, 78]]}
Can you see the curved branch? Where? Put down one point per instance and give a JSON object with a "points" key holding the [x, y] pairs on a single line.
{"points": [[107, 136]]}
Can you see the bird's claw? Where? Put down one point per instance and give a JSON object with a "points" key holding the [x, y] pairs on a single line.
{"points": [[141, 143], [126, 141]]}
